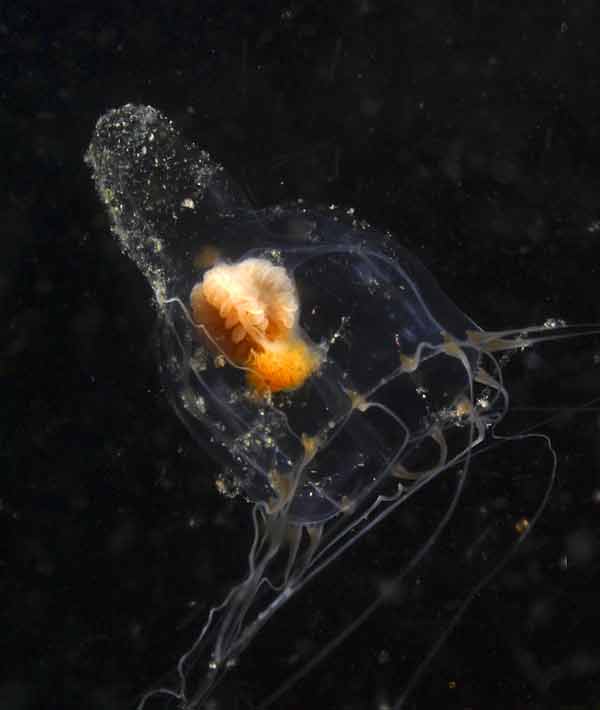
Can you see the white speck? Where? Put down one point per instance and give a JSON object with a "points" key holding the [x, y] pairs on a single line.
{"points": [[552, 323], [594, 226]]}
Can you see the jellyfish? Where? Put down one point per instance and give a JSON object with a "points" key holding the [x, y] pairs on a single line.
{"points": [[333, 380]]}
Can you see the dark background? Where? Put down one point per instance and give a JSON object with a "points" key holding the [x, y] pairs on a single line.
{"points": [[472, 130]]}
